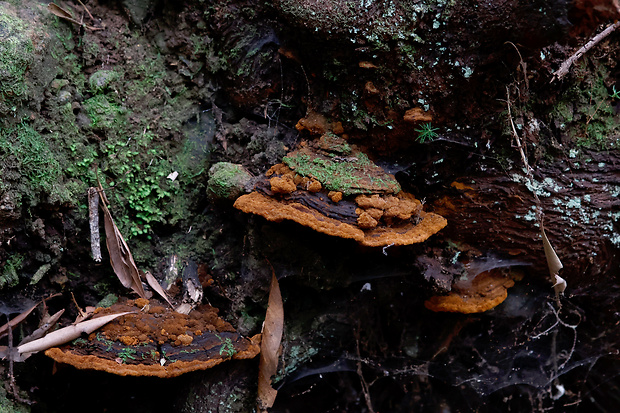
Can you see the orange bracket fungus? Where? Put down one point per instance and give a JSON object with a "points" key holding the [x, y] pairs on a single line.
{"points": [[486, 291], [157, 342], [331, 187]]}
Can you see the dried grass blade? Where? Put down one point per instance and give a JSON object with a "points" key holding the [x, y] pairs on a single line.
{"points": [[270, 346], [67, 334]]}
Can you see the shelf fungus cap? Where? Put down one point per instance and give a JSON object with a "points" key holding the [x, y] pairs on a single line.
{"points": [[333, 188], [158, 342], [486, 291]]}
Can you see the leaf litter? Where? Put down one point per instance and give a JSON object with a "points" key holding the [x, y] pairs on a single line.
{"points": [[270, 346]]}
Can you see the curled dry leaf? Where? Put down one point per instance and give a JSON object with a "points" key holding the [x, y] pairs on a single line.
{"points": [[120, 255], [270, 346], [67, 334], [554, 264], [156, 287]]}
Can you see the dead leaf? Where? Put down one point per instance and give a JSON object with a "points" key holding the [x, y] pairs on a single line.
{"points": [[270, 346], [120, 257], [58, 11], [67, 334], [15, 321], [47, 322], [554, 263], [4, 330], [156, 287]]}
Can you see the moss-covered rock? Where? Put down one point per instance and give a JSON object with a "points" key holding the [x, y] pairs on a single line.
{"points": [[228, 180]]}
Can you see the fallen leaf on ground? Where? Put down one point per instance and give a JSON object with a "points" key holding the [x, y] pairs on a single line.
{"points": [[270, 346]]}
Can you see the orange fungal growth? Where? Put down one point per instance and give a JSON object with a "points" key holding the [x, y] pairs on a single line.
{"points": [[157, 342], [333, 188], [486, 291]]}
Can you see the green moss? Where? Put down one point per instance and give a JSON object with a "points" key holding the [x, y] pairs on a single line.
{"points": [[33, 154], [347, 177], [108, 301], [227, 180], [16, 55], [9, 276], [104, 113], [102, 79], [9, 406], [585, 110]]}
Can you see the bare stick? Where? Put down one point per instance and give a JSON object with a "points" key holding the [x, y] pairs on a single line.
{"points": [[565, 67], [93, 209]]}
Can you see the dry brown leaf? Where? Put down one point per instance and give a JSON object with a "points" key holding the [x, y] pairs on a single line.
{"points": [[156, 287], [270, 346], [554, 263], [58, 11], [15, 321], [67, 334], [47, 322], [4, 330], [120, 257]]}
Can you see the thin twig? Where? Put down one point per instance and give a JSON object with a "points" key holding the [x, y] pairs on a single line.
{"points": [[85, 8], [365, 386], [565, 67], [13, 384]]}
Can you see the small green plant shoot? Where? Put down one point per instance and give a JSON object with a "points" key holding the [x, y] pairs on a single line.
{"points": [[426, 132]]}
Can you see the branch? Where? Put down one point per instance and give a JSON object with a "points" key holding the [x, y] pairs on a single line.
{"points": [[565, 67]]}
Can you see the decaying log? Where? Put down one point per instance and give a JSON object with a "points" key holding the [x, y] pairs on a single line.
{"points": [[580, 201]]}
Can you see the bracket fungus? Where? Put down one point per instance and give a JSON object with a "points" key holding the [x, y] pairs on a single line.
{"points": [[333, 188], [486, 291], [157, 342]]}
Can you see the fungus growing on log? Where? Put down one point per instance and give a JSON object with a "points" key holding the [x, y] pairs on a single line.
{"points": [[333, 188], [157, 342], [486, 291]]}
